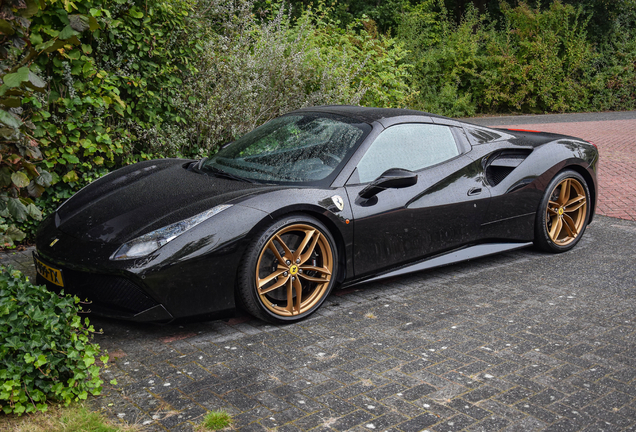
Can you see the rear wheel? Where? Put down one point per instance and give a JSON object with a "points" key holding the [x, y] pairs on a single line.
{"points": [[563, 214], [289, 270]]}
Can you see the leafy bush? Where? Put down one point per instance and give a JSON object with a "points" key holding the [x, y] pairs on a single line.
{"points": [[21, 179], [46, 351], [378, 60], [614, 76], [111, 80], [133, 80], [447, 59], [539, 62], [251, 71]]}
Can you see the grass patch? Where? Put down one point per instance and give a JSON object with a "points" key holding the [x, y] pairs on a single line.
{"points": [[216, 420], [74, 418]]}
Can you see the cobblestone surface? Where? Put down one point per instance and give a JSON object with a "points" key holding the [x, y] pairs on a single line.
{"points": [[21, 260], [516, 342], [520, 341]]}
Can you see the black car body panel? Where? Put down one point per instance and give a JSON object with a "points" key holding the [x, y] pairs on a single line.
{"points": [[157, 193], [488, 194]]}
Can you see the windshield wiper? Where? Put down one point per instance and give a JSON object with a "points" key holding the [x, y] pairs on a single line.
{"points": [[196, 166], [200, 164], [220, 173]]}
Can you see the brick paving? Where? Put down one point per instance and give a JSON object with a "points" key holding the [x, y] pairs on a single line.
{"points": [[520, 341], [517, 342], [616, 141], [615, 136]]}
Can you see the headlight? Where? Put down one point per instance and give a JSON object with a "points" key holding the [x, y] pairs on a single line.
{"points": [[148, 243]]}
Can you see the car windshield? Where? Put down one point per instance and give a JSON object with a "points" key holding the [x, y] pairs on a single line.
{"points": [[295, 148]]}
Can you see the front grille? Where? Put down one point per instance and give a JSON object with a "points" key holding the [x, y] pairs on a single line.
{"points": [[112, 292]]}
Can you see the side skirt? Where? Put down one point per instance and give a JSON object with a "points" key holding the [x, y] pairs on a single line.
{"points": [[453, 257]]}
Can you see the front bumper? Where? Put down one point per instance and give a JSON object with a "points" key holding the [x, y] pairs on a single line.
{"points": [[194, 275], [106, 295]]}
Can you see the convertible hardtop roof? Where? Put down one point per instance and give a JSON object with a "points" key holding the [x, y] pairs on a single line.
{"points": [[366, 114]]}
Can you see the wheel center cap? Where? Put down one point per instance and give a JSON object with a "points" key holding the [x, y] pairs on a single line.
{"points": [[561, 211], [293, 269]]}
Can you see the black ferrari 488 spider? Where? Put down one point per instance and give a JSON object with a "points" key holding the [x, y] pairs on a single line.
{"points": [[318, 198]]}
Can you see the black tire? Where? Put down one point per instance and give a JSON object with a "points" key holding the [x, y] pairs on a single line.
{"points": [[563, 214], [269, 283]]}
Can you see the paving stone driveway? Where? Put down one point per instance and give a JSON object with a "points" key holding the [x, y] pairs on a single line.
{"points": [[520, 341]]}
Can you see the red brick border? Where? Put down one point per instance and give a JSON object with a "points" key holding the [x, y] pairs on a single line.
{"points": [[616, 141]]}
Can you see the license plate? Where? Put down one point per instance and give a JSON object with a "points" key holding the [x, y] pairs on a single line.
{"points": [[49, 273]]}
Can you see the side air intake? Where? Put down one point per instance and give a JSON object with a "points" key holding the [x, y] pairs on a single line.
{"points": [[501, 164]]}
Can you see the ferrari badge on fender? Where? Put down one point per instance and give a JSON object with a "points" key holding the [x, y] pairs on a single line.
{"points": [[337, 200]]}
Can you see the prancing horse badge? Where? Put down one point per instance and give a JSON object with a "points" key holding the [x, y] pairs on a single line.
{"points": [[337, 200]]}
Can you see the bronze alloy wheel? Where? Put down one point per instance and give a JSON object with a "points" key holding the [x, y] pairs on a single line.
{"points": [[566, 212], [294, 270]]}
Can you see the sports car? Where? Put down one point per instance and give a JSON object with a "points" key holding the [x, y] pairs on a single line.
{"points": [[319, 198]]}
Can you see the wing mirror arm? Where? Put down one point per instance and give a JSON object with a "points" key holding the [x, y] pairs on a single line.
{"points": [[394, 178]]}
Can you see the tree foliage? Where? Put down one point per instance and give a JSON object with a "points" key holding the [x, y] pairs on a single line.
{"points": [[387, 13], [94, 85], [533, 60], [602, 13], [108, 93], [251, 71]]}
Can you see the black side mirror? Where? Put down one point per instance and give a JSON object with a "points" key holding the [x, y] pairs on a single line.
{"points": [[394, 178]]}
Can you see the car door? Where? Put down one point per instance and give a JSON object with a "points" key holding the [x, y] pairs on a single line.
{"points": [[441, 212], [514, 198]]}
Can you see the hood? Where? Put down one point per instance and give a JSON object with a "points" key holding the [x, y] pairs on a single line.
{"points": [[140, 198]]}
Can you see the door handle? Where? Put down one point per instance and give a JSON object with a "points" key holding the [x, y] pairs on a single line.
{"points": [[474, 191]]}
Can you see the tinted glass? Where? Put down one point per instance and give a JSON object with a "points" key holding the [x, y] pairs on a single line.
{"points": [[409, 146], [293, 148]]}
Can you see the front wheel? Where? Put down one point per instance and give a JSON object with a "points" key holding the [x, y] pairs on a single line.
{"points": [[563, 213], [289, 270]]}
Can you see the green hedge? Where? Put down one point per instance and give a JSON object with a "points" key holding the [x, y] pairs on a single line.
{"points": [[533, 61], [22, 177], [105, 83], [255, 69], [134, 80]]}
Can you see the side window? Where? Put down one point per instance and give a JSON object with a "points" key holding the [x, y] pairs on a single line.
{"points": [[411, 146]]}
